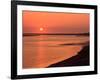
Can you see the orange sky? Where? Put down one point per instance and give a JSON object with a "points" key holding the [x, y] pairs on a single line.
{"points": [[52, 22]]}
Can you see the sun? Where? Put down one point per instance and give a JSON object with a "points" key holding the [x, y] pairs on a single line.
{"points": [[41, 29]]}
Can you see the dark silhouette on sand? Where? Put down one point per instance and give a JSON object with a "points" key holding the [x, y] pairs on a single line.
{"points": [[82, 59]]}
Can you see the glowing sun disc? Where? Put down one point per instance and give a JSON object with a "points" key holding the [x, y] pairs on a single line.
{"points": [[41, 29]]}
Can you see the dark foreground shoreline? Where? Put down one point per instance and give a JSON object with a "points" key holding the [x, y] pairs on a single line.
{"points": [[82, 59]]}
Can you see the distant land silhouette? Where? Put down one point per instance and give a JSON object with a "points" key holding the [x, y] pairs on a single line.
{"points": [[81, 59], [84, 43], [36, 34]]}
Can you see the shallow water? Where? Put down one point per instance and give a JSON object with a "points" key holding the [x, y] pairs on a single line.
{"points": [[43, 50]]}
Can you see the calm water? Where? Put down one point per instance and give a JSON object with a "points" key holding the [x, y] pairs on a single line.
{"points": [[44, 50]]}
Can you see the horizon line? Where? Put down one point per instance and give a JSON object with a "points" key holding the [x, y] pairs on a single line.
{"points": [[32, 34]]}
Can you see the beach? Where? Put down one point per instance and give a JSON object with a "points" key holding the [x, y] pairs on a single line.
{"points": [[42, 51], [81, 59]]}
